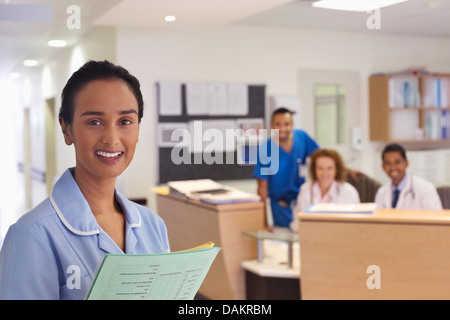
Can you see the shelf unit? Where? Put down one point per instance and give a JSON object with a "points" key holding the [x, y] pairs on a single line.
{"points": [[426, 116]]}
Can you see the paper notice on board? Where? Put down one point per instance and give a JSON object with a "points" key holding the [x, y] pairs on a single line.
{"points": [[169, 98], [217, 99], [212, 135], [237, 99], [172, 134], [196, 98]]}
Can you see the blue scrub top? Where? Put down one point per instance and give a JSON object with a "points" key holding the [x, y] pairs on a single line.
{"points": [[60, 239], [285, 182]]}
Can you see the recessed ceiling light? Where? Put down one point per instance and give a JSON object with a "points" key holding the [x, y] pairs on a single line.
{"points": [[57, 43], [355, 5], [30, 63], [14, 75], [170, 18], [433, 4]]}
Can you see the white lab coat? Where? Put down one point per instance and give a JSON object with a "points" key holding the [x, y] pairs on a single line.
{"points": [[346, 193], [416, 194]]}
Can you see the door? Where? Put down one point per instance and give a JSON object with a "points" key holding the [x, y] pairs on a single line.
{"points": [[331, 109]]}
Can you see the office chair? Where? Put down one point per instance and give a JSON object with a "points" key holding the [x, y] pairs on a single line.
{"points": [[444, 194], [366, 186]]}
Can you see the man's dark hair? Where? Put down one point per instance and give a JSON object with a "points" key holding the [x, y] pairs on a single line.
{"points": [[394, 147], [91, 71], [281, 110]]}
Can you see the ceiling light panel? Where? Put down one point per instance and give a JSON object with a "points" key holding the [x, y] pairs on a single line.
{"points": [[355, 5]]}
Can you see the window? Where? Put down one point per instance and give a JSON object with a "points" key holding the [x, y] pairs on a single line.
{"points": [[329, 106]]}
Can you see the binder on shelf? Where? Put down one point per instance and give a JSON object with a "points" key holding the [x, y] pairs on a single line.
{"points": [[404, 92], [436, 92], [409, 107], [445, 124], [432, 125], [437, 124], [445, 93]]}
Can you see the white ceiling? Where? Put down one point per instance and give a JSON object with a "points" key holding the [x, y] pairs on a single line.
{"points": [[415, 17], [21, 39], [189, 13]]}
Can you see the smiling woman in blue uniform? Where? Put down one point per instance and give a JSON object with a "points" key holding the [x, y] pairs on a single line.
{"points": [[53, 251]]}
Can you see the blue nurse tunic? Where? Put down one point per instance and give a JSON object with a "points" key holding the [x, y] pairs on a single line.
{"points": [[60, 239], [286, 172]]}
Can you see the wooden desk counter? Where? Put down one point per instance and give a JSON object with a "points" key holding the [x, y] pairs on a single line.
{"points": [[190, 223], [410, 248]]}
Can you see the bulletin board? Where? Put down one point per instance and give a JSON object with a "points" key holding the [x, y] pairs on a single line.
{"points": [[180, 105]]}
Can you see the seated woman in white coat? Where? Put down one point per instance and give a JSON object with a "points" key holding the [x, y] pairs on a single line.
{"points": [[404, 191], [328, 183]]}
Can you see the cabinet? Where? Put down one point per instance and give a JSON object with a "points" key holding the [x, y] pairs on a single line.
{"points": [[409, 107], [190, 222]]}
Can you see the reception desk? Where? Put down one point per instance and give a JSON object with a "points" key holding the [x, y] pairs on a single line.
{"points": [[390, 254], [190, 223]]}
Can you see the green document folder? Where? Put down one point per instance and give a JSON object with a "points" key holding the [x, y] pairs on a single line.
{"points": [[166, 276]]}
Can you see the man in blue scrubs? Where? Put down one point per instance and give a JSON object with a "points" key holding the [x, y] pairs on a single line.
{"points": [[282, 185], [53, 251]]}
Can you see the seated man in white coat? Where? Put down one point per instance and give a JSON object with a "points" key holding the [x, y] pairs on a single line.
{"points": [[404, 191]]}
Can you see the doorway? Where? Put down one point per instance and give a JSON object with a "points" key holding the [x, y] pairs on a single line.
{"points": [[50, 144], [331, 108]]}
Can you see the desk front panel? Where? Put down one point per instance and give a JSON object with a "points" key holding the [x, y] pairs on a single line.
{"points": [[413, 260], [190, 223]]}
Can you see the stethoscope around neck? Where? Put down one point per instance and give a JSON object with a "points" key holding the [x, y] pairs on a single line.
{"points": [[311, 194], [410, 189]]}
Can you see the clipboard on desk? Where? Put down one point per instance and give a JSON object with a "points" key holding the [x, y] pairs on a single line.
{"points": [[196, 187], [211, 191], [167, 276]]}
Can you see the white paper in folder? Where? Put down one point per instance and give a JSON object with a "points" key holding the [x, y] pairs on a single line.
{"points": [[171, 276]]}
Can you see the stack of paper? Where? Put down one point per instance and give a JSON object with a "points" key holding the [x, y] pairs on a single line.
{"points": [[368, 207], [210, 191], [437, 92], [167, 276]]}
